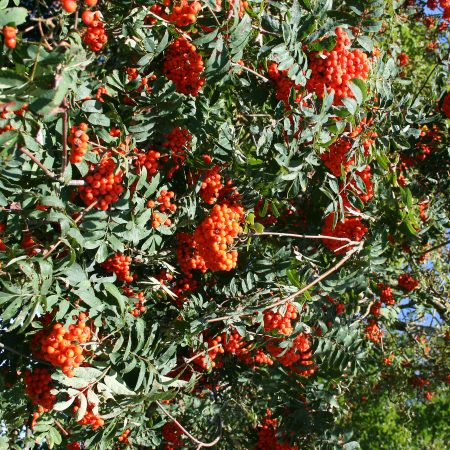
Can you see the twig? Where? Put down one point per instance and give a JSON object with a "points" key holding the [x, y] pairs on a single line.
{"points": [[266, 80], [167, 24], [442, 244], [306, 236], [189, 435], [48, 172], [293, 296], [56, 244], [65, 432]]}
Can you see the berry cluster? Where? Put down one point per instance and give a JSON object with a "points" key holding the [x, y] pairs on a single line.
{"points": [[61, 347], [351, 228], [444, 4], [216, 233], [30, 245], [103, 184], [211, 185], [282, 323], [73, 446], [78, 140], [38, 387], [386, 295], [283, 84], [95, 36], [172, 435], [373, 332], [407, 282], [139, 307], [120, 265], [183, 14], [446, 105], [178, 140], [164, 200], [89, 418], [188, 256], [267, 435], [332, 70], [402, 59], [3, 247], [183, 66], [123, 438], [215, 347], [366, 194], [242, 6], [9, 33], [149, 160]]}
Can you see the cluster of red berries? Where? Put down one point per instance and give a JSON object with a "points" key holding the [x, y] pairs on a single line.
{"points": [[351, 228], [446, 105], [164, 200], [61, 347], [7, 127], [215, 348], [103, 184], [242, 6], [444, 4], [78, 140], [282, 323], [149, 160], [366, 177], [267, 435], [373, 332], [386, 295], [183, 14], [407, 282], [133, 74], [73, 446], [183, 66], [3, 247], [423, 214], [178, 140], [402, 59], [9, 33], [30, 245], [123, 438], [283, 84], [120, 265], [172, 435], [211, 185], [216, 233], [188, 256], [332, 70], [375, 309], [139, 307], [337, 156], [95, 36], [182, 287], [235, 344], [38, 387], [89, 417]]}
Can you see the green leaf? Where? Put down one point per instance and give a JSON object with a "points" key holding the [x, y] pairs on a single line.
{"points": [[116, 386], [13, 16]]}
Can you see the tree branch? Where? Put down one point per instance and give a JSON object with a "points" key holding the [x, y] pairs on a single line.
{"points": [[189, 435]]}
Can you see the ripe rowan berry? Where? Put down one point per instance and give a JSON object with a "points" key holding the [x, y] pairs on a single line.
{"points": [[89, 417], [407, 282], [69, 5], [177, 141], [149, 160], [446, 105], [211, 185], [38, 386], [373, 332], [283, 85]]}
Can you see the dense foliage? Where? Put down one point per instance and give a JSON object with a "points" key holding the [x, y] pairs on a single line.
{"points": [[224, 224]]}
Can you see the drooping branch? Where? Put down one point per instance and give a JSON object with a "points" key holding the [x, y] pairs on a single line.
{"points": [[189, 435]]}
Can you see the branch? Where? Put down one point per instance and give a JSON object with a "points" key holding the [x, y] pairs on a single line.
{"points": [[48, 172], [266, 80], [442, 244], [189, 435], [307, 236], [293, 296]]}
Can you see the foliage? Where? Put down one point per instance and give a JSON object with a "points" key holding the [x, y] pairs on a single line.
{"points": [[222, 216]]}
